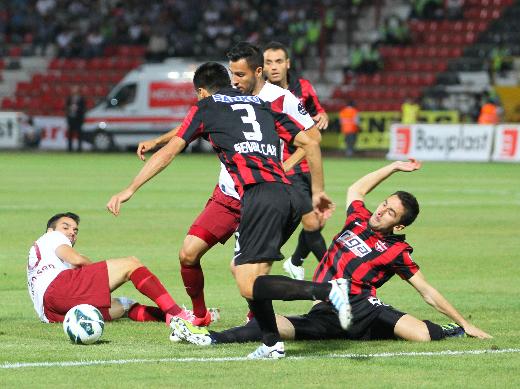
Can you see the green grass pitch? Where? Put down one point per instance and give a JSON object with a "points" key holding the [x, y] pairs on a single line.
{"points": [[466, 241]]}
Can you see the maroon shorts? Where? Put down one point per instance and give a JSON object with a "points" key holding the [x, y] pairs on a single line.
{"points": [[219, 219], [84, 285]]}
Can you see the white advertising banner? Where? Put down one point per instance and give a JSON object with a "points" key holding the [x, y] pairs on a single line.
{"points": [[54, 133], [507, 143], [10, 135], [437, 142]]}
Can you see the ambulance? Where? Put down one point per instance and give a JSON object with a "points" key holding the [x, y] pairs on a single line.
{"points": [[147, 102]]}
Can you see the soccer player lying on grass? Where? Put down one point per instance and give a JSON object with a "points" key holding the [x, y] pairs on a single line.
{"points": [[59, 278], [367, 251]]}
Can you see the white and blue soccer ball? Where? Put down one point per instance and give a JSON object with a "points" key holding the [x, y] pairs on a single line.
{"points": [[83, 324]]}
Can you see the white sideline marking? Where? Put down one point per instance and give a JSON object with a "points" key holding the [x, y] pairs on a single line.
{"points": [[18, 365]]}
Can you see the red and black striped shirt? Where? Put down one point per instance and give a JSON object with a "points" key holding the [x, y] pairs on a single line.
{"points": [[365, 256], [245, 133], [303, 89], [305, 92]]}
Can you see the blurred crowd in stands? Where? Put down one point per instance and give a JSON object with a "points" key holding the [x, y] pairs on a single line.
{"points": [[83, 28], [395, 31]]}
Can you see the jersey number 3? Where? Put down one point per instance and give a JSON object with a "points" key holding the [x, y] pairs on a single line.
{"points": [[250, 118]]}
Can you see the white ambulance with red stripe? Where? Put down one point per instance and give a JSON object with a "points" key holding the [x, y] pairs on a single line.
{"points": [[149, 101]]}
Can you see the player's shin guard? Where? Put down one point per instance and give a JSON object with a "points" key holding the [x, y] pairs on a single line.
{"points": [[264, 315], [435, 330], [285, 288], [193, 279], [248, 333]]}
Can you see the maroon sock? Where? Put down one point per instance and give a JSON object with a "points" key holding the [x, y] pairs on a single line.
{"points": [[140, 312], [149, 285], [193, 279]]}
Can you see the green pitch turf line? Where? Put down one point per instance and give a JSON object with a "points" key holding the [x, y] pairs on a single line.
{"points": [[19, 365]]}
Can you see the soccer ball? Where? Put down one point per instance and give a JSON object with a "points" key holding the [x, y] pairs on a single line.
{"points": [[83, 324]]}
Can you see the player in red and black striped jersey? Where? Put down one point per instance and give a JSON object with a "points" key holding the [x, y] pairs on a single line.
{"points": [[244, 132], [368, 251], [277, 66]]}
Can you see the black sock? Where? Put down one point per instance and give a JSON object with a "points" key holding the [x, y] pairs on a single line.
{"points": [[301, 251], [248, 333], [285, 288], [309, 241], [435, 330], [316, 243], [264, 315]]}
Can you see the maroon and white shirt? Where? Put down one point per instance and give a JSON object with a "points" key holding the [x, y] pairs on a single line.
{"points": [[43, 266]]}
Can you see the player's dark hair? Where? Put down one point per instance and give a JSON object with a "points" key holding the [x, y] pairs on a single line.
{"points": [[251, 53], [211, 76], [410, 205], [273, 45], [53, 220]]}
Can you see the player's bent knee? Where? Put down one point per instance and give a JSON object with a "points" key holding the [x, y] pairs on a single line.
{"points": [[134, 262], [188, 257], [311, 222], [245, 289]]}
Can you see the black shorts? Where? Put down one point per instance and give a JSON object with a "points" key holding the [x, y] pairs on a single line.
{"points": [[270, 214], [372, 320], [302, 184]]}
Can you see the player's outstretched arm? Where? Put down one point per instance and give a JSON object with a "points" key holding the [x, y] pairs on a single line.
{"points": [[69, 255], [151, 144], [152, 167], [359, 189], [439, 302]]}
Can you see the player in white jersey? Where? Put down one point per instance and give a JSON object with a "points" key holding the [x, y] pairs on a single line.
{"points": [[221, 216], [59, 278]]}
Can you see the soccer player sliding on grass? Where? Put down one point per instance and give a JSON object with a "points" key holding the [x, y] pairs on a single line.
{"points": [[368, 251], [59, 278]]}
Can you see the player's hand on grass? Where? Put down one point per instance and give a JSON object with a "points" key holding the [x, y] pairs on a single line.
{"points": [[144, 147], [407, 166], [323, 205], [322, 121], [114, 205], [475, 332]]}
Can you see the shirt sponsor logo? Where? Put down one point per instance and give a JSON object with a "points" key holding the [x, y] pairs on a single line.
{"points": [[354, 244], [255, 147], [236, 99], [301, 109]]}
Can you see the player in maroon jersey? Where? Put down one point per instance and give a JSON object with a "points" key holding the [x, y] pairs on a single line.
{"points": [[245, 133], [276, 68], [368, 251]]}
